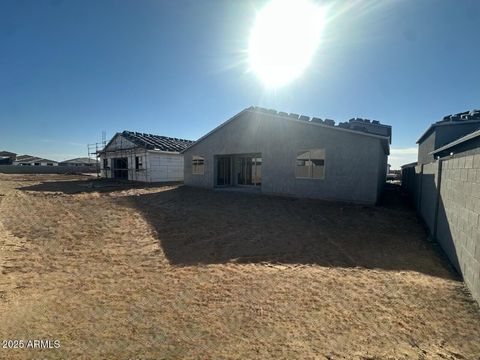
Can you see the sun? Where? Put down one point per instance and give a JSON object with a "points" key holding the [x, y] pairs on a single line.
{"points": [[284, 39]]}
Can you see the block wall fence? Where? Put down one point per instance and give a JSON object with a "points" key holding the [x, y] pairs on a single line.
{"points": [[446, 194], [19, 169]]}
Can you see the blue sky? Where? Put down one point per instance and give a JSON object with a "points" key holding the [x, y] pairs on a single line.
{"points": [[70, 69]]}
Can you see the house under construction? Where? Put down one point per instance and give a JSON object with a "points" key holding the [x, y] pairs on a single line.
{"points": [[143, 157]]}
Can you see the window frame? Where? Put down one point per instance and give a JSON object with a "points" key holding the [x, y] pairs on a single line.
{"points": [[195, 167], [310, 166], [138, 163]]}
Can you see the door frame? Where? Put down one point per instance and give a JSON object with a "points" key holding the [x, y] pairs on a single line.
{"points": [[230, 175]]}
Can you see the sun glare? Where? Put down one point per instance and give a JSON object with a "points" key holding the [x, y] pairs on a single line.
{"points": [[284, 39]]}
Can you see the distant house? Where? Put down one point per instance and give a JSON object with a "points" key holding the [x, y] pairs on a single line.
{"points": [[445, 131], [143, 157], [7, 157], [29, 160], [85, 161], [278, 153]]}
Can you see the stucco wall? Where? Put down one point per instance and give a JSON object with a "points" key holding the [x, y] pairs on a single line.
{"points": [[429, 193], [442, 135], [470, 147], [448, 133], [353, 162], [425, 147]]}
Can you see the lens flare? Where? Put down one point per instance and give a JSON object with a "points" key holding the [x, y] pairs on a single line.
{"points": [[284, 39]]}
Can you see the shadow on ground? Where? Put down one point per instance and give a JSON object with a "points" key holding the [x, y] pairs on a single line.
{"points": [[76, 186], [197, 226]]}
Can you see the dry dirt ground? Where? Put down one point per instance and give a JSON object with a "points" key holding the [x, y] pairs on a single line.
{"points": [[125, 272]]}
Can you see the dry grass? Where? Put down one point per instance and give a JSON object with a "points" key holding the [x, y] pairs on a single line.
{"points": [[177, 273]]}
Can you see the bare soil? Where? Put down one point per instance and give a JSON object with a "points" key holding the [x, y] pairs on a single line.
{"points": [[122, 271]]}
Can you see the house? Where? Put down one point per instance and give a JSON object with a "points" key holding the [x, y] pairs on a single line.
{"points": [[7, 157], [445, 131], [278, 153], [464, 146], [84, 161], [29, 160], [143, 157]]}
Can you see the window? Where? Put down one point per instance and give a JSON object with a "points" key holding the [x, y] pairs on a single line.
{"points": [[105, 163], [198, 165], [138, 163], [310, 164], [49, 164]]}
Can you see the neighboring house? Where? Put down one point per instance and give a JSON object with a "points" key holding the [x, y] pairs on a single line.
{"points": [[7, 157], [29, 160], [278, 153], [85, 161], [445, 131], [143, 157], [464, 146]]}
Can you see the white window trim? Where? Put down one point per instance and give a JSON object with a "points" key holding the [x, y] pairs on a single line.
{"points": [[311, 167]]}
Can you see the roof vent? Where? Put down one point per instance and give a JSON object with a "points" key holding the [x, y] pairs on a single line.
{"points": [[282, 113], [317, 120], [375, 122], [304, 118], [292, 115], [330, 122]]}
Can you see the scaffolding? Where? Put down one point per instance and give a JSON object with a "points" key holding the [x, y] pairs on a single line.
{"points": [[94, 149]]}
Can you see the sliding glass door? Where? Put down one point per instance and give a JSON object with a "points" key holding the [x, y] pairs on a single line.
{"points": [[248, 170], [224, 171]]}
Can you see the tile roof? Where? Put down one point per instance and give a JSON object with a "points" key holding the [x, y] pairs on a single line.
{"points": [[7, 154], [455, 119], [358, 126], [83, 160], [31, 158], [157, 142], [373, 127]]}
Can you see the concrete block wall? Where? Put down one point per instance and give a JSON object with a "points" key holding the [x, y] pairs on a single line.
{"points": [[446, 194], [165, 168], [459, 214], [20, 169], [156, 166]]}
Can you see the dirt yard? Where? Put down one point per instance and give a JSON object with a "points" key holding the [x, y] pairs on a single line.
{"points": [[125, 272]]}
